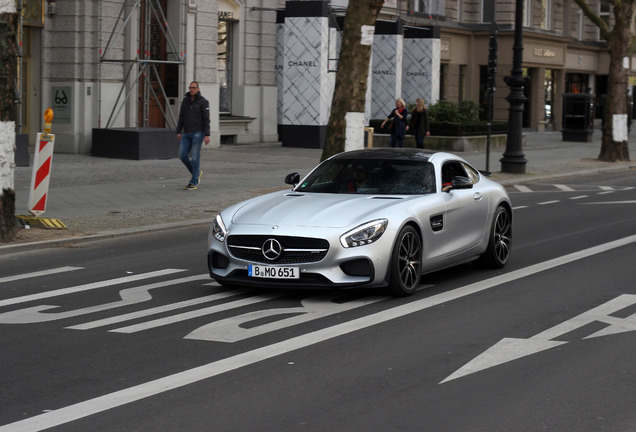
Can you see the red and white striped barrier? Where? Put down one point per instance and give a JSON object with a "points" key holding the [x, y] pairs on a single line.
{"points": [[41, 173]]}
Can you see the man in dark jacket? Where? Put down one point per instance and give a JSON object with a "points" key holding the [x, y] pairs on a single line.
{"points": [[194, 122]]}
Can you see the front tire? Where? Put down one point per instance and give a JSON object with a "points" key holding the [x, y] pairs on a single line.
{"points": [[499, 241], [406, 263]]}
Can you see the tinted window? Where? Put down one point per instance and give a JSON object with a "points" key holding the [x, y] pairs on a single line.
{"points": [[371, 176]]}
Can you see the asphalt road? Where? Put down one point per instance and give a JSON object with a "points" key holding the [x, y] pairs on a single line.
{"points": [[130, 334]]}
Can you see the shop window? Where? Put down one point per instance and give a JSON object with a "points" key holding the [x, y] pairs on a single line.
{"points": [[462, 82], [548, 83], [443, 80], [576, 83], [483, 93]]}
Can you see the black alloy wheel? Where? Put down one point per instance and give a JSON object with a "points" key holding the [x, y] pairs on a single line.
{"points": [[500, 240], [406, 263]]}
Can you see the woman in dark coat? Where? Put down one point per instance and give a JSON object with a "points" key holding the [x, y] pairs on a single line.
{"points": [[419, 122], [398, 126]]}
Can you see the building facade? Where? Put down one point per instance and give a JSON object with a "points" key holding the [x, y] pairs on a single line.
{"points": [[127, 63]]}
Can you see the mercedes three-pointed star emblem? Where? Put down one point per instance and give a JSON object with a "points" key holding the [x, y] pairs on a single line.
{"points": [[272, 249]]}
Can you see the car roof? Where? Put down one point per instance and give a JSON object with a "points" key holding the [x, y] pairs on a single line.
{"points": [[396, 153], [386, 153]]}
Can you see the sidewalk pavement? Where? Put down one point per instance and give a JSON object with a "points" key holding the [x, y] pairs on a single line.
{"points": [[100, 197]]}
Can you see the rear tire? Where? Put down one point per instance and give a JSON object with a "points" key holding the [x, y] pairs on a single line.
{"points": [[499, 241], [406, 263]]}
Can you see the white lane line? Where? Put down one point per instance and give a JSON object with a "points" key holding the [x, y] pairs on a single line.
{"points": [[522, 188], [122, 397], [579, 197], [548, 202], [611, 202], [157, 310], [519, 207], [564, 188], [606, 192], [38, 273], [87, 287]]}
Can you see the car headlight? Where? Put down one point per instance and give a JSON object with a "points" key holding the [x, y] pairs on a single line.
{"points": [[218, 229], [364, 234]]}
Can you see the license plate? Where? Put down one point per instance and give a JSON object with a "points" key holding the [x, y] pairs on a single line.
{"points": [[273, 272]]}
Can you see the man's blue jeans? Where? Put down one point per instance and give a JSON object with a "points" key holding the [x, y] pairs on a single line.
{"points": [[190, 153]]}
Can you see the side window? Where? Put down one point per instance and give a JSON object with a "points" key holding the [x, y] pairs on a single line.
{"points": [[452, 169], [473, 175]]}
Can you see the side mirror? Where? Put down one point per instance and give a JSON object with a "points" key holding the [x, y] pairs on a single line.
{"points": [[461, 182], [292, 179]]}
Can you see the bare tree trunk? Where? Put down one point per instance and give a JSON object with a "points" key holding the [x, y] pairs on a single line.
{"points": [[8, 29], [353, 70], [619, 42]]}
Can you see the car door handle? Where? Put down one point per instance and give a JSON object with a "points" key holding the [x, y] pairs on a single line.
{"points": [[477, 196]]}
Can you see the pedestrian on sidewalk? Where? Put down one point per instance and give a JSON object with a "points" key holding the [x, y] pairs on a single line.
{"points": [[397, 123], [418, 125], [194, 122]]}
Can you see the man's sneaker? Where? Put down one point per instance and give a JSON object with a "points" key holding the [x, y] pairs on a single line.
{"points": [[200, 174], [191, 186]]}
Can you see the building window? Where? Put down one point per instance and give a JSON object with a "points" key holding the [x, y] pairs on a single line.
{"points": [[224, 66], [604, 13], [527, 13], [462, 82], [546, 14], [429, 7], [488, 11]]}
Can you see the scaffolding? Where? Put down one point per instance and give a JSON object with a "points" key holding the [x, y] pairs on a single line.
{"points": [[143, 67]]}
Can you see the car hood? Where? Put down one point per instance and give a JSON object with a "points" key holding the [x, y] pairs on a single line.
{"points": [[311, 209]]}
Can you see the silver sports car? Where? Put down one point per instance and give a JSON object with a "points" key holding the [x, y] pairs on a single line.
{"points": [[364, 218]]}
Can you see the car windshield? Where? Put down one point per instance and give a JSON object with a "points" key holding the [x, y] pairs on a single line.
{"points": [[371, 176]]}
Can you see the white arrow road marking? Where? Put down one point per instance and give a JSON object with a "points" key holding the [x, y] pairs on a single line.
{"points": [[236, 328], [157, 310], [38, 273], [197, 313], [128, 296], [86, 287], [125, 396], [506, 350], [509, 349]]}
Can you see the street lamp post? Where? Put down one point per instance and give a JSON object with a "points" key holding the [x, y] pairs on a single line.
{"points": [[513, 160]]}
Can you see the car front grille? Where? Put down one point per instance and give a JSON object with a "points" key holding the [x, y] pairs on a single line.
{"points": [[294, 250]]}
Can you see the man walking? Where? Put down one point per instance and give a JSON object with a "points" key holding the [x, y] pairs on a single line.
{"points": [[194, 122]]}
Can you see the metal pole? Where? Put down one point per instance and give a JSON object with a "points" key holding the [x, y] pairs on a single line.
{"points": [[513, 160]]}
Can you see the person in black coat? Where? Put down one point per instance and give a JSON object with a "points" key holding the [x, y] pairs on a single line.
{"points": [[398, 125], [193, 129], [418, 125]]}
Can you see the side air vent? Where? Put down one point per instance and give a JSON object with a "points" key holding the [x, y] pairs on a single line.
{"points": [[437, 223]]}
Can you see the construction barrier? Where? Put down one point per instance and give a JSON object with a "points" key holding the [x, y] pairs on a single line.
{"points": [[41, 173]]}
